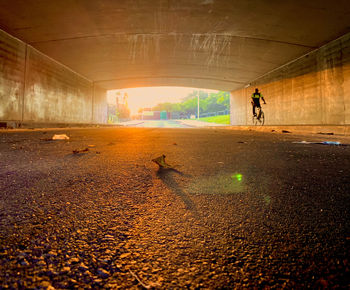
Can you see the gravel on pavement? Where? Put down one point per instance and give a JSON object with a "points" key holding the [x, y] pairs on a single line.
{"points": [[238, 209]]}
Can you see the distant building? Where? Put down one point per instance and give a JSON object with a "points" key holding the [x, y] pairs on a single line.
{"points": [[149, 114]]}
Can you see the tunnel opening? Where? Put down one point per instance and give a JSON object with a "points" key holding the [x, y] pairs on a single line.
{"points": [[168, 107]]}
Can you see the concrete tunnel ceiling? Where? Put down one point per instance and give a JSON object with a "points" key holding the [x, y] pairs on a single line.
{"points": [[218, 44]]}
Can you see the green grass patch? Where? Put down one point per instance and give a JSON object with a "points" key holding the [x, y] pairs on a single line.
{"points": [[222, 119]]}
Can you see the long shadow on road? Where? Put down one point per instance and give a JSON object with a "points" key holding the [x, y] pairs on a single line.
{"points": [[167, 175]]}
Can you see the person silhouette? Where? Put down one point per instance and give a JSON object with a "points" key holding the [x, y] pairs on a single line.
{"points": [[256, 100]]}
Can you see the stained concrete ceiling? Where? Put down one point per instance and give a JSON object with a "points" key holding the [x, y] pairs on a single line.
{"points": [[219, 44]]}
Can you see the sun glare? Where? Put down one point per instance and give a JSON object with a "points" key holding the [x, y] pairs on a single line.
{"points": [[147, 97]]}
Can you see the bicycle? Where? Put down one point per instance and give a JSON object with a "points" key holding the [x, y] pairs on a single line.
{"points": [[259, 118]]}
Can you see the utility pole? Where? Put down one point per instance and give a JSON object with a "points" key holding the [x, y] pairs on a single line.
{"points": [[198, 106]]}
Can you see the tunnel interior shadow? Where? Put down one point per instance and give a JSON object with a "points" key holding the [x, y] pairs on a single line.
{"points": [[167, 175]]}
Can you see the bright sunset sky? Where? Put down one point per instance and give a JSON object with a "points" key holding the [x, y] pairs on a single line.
{"points": [[151, 96]]}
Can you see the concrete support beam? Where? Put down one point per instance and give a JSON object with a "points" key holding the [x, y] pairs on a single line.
{"points": [[36, 89], [99, 106], [312, 90], [238, 112]]}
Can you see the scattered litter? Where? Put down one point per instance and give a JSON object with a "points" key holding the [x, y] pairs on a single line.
{"points": [[122, 256], [60, 137], [273, 130], [322, 133], [322, 143], [331, 143], [109, 238], [77, 151], [161, 162], [285, 131], [303, 142], [139, 280], [103, 273]]}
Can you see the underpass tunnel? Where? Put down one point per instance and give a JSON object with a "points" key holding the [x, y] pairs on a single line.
{"points": [[56, 67], [115, 207]]}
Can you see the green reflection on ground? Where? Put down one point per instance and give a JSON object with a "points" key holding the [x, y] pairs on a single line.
{"points": [[218, 184], [267, 199], [237, 177]]}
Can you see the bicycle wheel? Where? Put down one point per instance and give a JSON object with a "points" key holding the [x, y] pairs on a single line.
{"points": [[262, 118], [254, 120]]}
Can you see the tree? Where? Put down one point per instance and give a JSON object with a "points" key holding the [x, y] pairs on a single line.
{"points": [[224, 99], [212, 102]]}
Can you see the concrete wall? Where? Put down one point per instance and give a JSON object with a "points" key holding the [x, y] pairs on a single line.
{"points": [[12, 66], [312, 90], [36, 89]]}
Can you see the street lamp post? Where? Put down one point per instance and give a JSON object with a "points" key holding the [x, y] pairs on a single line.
{"points": [[198, 107]]}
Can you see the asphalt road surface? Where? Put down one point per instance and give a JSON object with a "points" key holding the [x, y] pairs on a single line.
{"points": [[239, 209]]}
